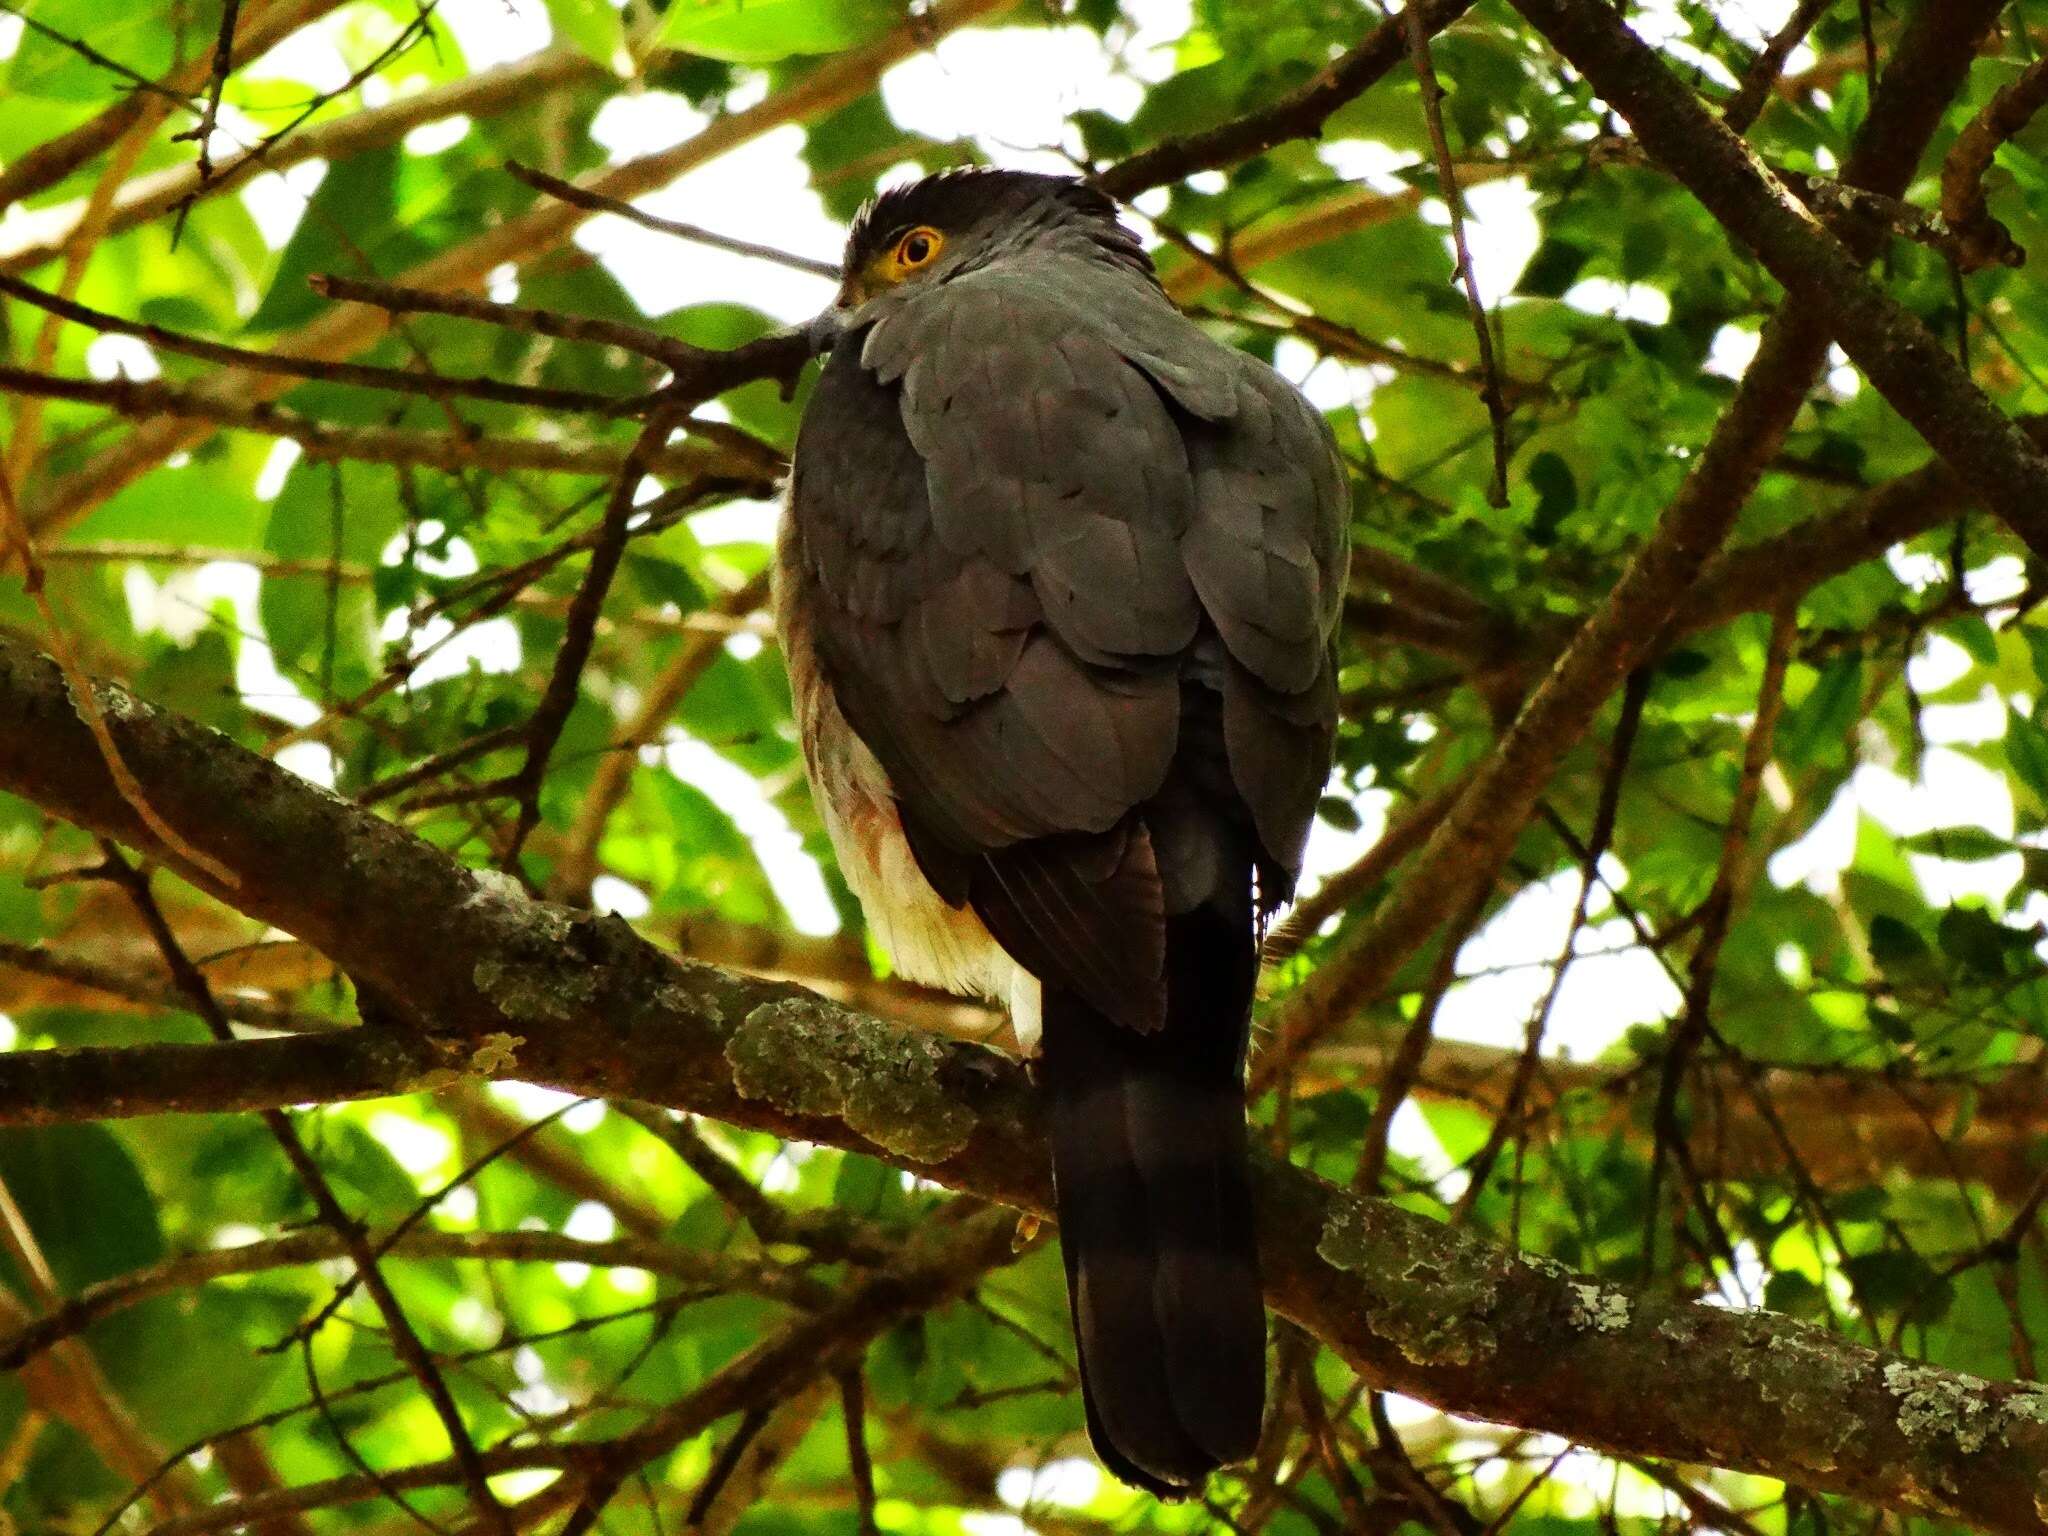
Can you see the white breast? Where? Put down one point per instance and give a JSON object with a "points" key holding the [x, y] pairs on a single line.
{"points": [[927, 940]]}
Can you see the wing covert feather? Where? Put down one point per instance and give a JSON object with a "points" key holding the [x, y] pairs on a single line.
{"points": [[1018, 522]]}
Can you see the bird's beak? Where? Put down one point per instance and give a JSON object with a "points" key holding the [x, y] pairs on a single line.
{"points": [[824, 330]]}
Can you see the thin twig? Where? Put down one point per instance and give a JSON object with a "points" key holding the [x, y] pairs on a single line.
{"points": [[405, 1342], [831, 1233], [420, 26], [1761, 78], [1454, 200], [223, 63], [725, 1464], [1400, 1075], [323, 440], [363, 375], [576, 863], [1634, 695], [544, 728], [93, 56], [420, 1210], [514, 317], [17, 542], [1983, 240], [598, 202], [860, 1467], [1402, 836], [1730, 881]]}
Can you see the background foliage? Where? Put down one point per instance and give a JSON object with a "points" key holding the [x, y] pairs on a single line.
{"points": [[1791, 1063]]}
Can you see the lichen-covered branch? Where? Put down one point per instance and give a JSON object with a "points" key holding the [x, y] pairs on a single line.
{"points": [[496, 983]]}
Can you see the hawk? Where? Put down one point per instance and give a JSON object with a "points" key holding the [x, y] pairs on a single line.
{"points": [[1056, 588]]}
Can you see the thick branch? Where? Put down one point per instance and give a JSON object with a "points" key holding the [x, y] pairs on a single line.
{"points": [[1298, 115], [346, 329], [594, 1009], [1475, 837], [50, 162], [380, 445], [1909, 365], [317, 1245], [40, 1087], [488, 93], [1762, 576]]}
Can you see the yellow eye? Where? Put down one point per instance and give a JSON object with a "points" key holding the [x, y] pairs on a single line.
{"points": [[918, 248]]}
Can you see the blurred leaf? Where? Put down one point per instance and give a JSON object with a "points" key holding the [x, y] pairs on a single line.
{"points": [[83, 1198], [761, 31]]}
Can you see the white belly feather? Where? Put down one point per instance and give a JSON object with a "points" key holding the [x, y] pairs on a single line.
{"points": [[928, 941]]}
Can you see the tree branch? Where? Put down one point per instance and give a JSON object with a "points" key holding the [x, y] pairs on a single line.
{"points": [[486, 94], [1474, 839], [592, 1008], [147, 398], [50, 162], [345, 330], [1298, 115], [934, 1272], [1983, 239], [1907, 363], [317, 1245]]}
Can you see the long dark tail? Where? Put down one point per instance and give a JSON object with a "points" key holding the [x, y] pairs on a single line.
{"points": [[1155, 1210]]}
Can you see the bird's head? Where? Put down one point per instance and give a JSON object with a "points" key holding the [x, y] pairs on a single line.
{"points": [[956, 221]]}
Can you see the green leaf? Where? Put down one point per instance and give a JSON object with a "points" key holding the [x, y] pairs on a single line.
{"points": [[1966, 843], [595, 26], [1979, 943], [83, 1198], [1895, 1280], [351, 221], [133, 35], [762, 31], [1897, 946], [1338, 812], [324, 634], [1552, 480], [2026, 746], [1976, 637], [1791, 1292], [1817, 728]]}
